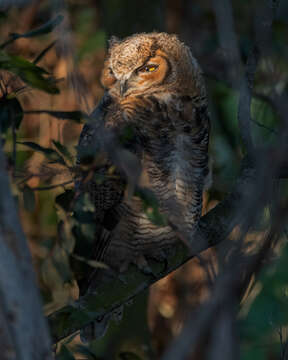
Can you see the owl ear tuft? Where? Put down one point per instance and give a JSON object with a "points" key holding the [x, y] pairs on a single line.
{"points": [[113, 41]]}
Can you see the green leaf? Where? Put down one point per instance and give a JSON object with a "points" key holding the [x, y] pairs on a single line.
{"points": [[63, 151], [65, 354], [28, 198], [28, 72]]}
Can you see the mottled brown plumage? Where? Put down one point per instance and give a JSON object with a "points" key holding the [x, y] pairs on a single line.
{"points": [[155, 86]]}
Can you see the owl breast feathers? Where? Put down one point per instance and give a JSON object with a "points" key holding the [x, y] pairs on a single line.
{"points": [[155, 87]]}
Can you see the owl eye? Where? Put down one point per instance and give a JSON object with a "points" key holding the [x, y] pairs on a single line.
{"points": [[148, 68]]}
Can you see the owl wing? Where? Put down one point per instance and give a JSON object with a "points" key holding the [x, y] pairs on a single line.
{"points": [[176, 158], [191, 171], [106, 194]]}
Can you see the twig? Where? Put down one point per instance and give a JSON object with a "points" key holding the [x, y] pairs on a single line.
{"points": [[229, 44]]}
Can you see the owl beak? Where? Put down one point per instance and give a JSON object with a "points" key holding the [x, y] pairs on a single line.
{"points": [[123, 87]]}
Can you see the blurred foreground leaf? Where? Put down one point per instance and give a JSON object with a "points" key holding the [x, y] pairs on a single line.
{"points": [[28, 72]]}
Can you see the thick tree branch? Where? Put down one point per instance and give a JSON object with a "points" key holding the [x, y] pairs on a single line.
{"points": [[213, 228], [24, 333], [240, 78]]}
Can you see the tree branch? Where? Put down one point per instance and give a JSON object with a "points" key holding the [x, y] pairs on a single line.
{"points": [[214, 227], [24, 333]]}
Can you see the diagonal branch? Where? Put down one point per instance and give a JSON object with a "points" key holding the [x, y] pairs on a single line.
{"points": [[214, 227]]}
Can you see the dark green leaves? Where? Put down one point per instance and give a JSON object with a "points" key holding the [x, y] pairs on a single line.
{"points": [[28, 72]]}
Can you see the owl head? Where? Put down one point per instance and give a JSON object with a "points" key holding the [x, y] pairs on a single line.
{"points": [[151, 63]]}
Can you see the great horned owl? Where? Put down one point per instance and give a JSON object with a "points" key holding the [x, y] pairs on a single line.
{"points": [[154, 85]]}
